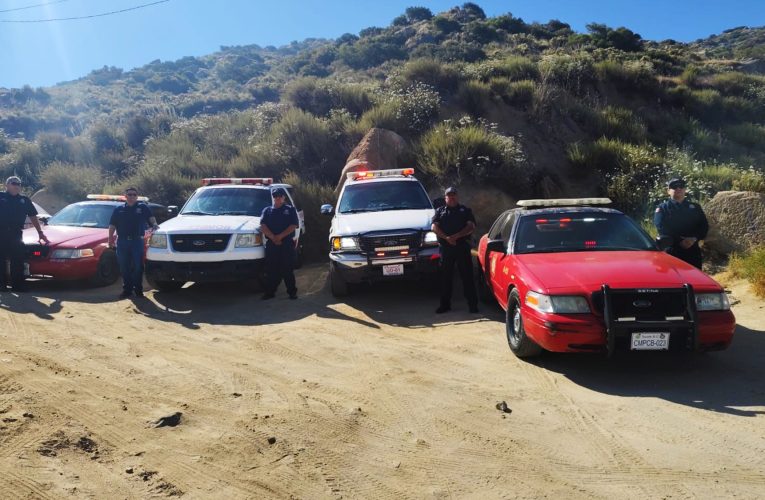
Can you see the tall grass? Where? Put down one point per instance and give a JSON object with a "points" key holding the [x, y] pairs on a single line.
{"points": [[751, 266]]}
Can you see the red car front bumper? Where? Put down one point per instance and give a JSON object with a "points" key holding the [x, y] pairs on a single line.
{"points": [[64, 269]]}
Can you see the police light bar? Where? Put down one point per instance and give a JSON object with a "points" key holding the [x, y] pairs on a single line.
{"points": [[372, 174], [260, 181], [112, 197], [564, 202]]}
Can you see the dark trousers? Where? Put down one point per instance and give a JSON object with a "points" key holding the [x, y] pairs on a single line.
{"points": [[12, 249], [130, 260], [280, 265], [458, 255], [692, 255]]}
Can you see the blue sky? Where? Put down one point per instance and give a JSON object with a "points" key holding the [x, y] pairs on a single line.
{"points": [[41, 54]]}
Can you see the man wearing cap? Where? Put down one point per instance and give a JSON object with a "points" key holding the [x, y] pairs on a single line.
{"points": [[14, 210], [453, 224], [130, 222], [278, 224], [682, 221]]}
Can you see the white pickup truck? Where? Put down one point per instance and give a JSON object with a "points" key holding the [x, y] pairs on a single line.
{"points": [[216, 235], [381, 230]]}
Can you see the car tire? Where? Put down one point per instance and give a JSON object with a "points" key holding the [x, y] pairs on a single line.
{"points": [[107, 270], [337, 284], [164, 286], [519, 343], [484, 292]]}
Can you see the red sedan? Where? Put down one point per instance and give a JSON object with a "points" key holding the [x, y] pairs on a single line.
{"points": [[78, 248], [581, 278]]}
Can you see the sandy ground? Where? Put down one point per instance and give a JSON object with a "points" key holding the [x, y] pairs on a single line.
{"points": [[375, 397]]}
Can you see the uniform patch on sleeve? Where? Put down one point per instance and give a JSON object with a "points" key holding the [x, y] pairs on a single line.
{"points": [[658, 209]]}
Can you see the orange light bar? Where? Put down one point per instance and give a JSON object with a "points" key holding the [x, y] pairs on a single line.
{"points": [[261, 181], [368, 174]]}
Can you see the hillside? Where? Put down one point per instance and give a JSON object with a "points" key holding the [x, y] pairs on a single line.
{"points": [[528, 109]]}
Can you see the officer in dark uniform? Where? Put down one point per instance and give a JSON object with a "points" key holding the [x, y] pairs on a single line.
{"points": [[278, 224], [130, 222], [682, 221], [453, 224], [14, 210]]}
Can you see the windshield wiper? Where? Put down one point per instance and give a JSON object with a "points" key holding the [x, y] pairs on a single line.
{"points": [[233, 212], [400, 208], [196, 213], [357, 210]]}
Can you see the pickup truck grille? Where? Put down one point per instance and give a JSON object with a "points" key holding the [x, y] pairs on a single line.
{"points": [[199, 242], [390, 242], [36, 252], [645, 304]]}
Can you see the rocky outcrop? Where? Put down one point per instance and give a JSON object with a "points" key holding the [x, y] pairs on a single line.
{"points": [[736, 220], [378, 149]]}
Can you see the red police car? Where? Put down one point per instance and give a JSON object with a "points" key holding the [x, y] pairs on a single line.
{"points": [[573, 276], [78, 248]]}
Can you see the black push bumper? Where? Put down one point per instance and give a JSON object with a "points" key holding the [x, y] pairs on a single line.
{"points": [[230, 270]]}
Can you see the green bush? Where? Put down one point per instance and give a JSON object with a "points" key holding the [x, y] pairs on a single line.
{"points": [[572, 72], [736, 83], [520, 93], [751, 266], [514, 68], [161, 182], [473, 97], [309, 196], [407, 112], [621, 123], [319, 96], [441, 76], [72, 182], [750, 135], [750, 180], [628, 76]]}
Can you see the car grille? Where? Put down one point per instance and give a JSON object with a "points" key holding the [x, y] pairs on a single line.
{"points": [[390, 243], [645, 304], [36, 252], [199, 242]]}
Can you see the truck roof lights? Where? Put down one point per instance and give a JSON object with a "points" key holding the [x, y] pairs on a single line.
{"points": [[112, 197], [371, 174], [256, 181], [563, 202]]}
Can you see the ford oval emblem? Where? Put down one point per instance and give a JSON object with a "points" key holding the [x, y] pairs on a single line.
{"points": [[390, 243], [642, 303], [198, 243]]}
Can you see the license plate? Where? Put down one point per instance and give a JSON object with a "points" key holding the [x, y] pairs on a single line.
{"points": [[26, 269], [393, 270], [650, 341]]}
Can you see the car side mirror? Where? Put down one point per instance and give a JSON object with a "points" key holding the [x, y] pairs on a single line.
{"points": [[496, 246], [172, 210], [43, 219], [664, 242], [327, 209]]}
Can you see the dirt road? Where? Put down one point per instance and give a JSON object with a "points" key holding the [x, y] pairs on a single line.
{"points": [[376, 397]]}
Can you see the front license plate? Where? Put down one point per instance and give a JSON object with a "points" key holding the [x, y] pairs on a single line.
{"points": [[26, 269], [650, 341], [393, 270]]}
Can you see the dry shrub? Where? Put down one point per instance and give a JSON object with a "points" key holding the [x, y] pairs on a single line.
{"points": [[751, 266]]}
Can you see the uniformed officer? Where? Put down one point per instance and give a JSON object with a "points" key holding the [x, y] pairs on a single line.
{"points": [[278, 224], [683, 221], [130, 222], [14, 210], [453, 224]]}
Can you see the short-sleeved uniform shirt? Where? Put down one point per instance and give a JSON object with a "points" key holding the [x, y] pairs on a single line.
{"points": [[452, 220], [279, 219], [681, 220], [14, 211], [131, 222]]}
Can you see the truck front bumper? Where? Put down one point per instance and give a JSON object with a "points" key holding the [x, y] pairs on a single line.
{"points": [[360, 268], [228, 270]]}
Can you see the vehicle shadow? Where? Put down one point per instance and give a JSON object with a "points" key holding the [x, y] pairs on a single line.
{"points": [[731, 381]]}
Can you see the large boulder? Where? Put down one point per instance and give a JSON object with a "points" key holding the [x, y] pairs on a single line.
{"points": [[378, 149], [736, 221], [51, 202]]}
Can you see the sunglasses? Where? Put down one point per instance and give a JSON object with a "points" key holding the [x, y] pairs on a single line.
{"points": [[450, 195], [131, 194], [14, 184]]}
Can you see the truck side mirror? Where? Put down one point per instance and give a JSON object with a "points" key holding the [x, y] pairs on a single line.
{"points": [[664, 242], [327, 209], [172, 210], [496, 246]]}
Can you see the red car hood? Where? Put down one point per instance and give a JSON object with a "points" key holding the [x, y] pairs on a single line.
{"points": [[587, 271], [70, 237]]}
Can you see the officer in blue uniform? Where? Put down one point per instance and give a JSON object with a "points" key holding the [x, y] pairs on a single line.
{"points": [[453, 223], [278, 224], [682, 221], [14, 210], [130, 222]]}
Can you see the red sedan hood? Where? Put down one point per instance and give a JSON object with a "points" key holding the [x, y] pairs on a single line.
{"points": [[587, 271], [74, 237]]}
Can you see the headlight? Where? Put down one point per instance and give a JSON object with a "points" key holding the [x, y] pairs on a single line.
{"points": [[71, 253], [344, 243], [248, 240], [712, 302], [430, 238], [559, 304], [158, 241]]}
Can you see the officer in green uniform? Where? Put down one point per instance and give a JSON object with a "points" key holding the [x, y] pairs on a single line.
{"points": [[14, 210], [682, 221]]}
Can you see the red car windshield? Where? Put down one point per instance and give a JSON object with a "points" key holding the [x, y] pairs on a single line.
{"points": [[83, 215], [578, 232]]}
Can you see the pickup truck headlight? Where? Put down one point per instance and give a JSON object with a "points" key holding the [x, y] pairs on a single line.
{"points": [[712, 302], [344, 243], [158, 241], [558, 304], [71, 253], [248, 240], [430, 239]]}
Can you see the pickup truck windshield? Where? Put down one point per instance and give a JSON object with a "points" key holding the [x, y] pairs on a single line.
{"points": [[228, 201], [579, 232], [381, 196]]}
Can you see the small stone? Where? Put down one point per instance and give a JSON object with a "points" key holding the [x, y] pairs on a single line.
{"points": [[129, 470], [271, 440], [169, 421], [502, 406], [236, 395], [28, 415]]}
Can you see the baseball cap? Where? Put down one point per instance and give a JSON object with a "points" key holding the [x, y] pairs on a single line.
{"points": [[676, 183], [13, 180], [278, 192], [451, 190]]}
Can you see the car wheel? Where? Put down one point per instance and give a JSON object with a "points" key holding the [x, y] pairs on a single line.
{"points": [[484, 292], [337, 283], [164, 286], [108, 270], [519, 343]]}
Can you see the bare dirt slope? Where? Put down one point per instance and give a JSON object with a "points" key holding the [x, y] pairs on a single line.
{"points": [[376, 397]]}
